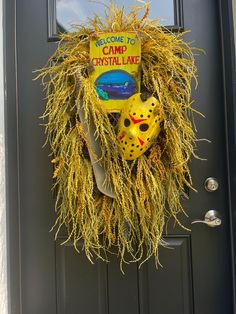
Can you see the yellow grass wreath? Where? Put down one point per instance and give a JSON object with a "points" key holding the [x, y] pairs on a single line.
{"points": [[146, 190]]}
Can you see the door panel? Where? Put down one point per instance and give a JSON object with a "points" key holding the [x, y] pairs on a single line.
{"points": [[138, 291], [196, 275], [76, 279]]}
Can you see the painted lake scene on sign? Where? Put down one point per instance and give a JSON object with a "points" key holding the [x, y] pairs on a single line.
{"points": [[116, 85]]}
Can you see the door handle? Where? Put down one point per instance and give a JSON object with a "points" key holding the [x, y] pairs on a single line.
{"points": [[212, 219]]}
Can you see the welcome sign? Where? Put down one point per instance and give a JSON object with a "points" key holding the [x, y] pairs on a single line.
{"points": [[116, 58]]}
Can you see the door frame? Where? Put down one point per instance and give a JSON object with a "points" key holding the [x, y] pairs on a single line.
{"points": [[12, 157], [12, 141], [228, 36]]}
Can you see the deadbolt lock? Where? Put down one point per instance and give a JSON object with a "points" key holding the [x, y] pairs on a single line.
{"points": [[211, 184]]}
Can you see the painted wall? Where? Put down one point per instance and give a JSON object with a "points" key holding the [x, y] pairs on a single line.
{"points": [[3, 261]]}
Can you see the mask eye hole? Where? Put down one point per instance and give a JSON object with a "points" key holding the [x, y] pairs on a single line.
{"points": [[127, 122], [143, 127]]}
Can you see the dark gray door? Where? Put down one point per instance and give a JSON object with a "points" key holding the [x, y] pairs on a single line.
{"points": [[196, 273]]}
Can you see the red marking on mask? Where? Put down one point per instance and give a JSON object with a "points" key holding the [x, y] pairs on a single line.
{"points": [[122, 136], [141, 141], [135, 121]]}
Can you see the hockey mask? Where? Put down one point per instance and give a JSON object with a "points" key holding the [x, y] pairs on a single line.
{"points": [[139, 125]]}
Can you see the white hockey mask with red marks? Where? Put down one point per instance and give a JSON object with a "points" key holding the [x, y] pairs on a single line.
{"points": [[139, 125]]}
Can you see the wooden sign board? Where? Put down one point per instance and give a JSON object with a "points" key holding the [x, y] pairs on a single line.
{"points": [[116, 58]]}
